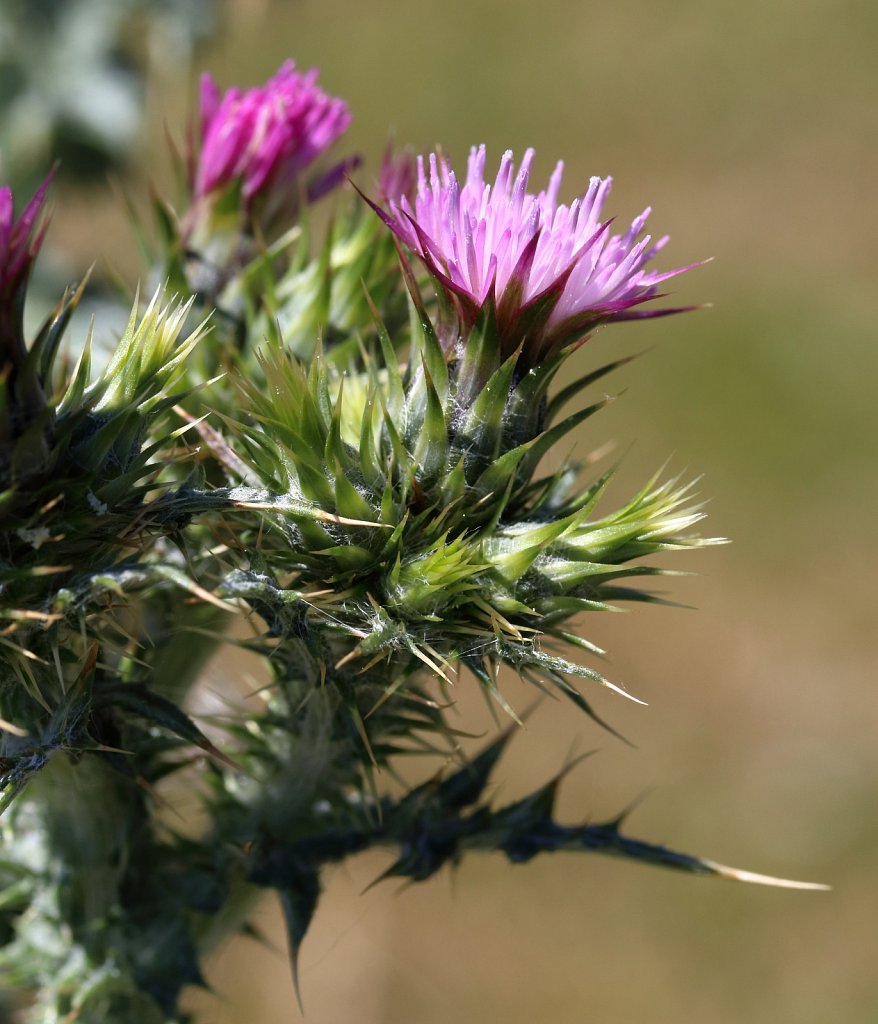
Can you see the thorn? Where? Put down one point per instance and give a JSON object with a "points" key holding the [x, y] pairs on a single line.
{"points": [[615, 824], [388, 873], [753, 878]]}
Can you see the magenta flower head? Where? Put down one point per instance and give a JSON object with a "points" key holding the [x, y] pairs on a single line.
{"points": [[20, 242], [551, 272], [264, 138]]}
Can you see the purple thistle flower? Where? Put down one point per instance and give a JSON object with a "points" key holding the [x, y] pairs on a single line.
{"points": [[20, 242], [552, 272], [263, 138], [17, 248]]}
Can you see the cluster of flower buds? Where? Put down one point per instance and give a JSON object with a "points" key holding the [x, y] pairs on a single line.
{"points": [[367, 487]]}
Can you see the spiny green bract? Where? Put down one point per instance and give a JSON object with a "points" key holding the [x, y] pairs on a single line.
{"points": [[280, 289], [73, 526], [444, 541]]}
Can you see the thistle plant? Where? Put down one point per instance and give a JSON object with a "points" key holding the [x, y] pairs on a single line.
{"points": [[340, 455]]}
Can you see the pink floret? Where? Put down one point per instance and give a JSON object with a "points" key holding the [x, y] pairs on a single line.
{"points": [[267, 135]]}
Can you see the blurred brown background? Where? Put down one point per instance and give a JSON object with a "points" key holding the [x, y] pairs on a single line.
{"points": [[752, 130]]}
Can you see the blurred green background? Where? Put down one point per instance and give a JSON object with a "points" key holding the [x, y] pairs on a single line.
{"points": [[752, 130]]}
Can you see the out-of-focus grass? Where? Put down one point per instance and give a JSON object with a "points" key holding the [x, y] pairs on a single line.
{"points": [[751, 129]]}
